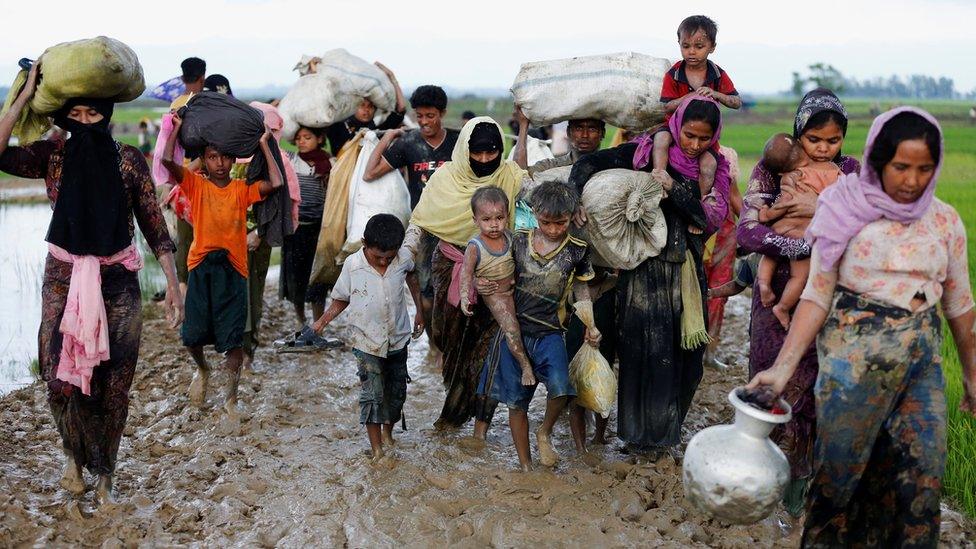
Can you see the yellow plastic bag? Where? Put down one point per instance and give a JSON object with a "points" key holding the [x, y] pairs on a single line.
{"points": [[590, 373], [325, 266]]}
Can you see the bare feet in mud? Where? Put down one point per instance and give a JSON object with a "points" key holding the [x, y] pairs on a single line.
{"points": [[198, 387], [472, 443], [711, 362], [103, 490], [766, 294], [547, 453], [246, 363], [388, 440], [72, 479], [782, 315]]}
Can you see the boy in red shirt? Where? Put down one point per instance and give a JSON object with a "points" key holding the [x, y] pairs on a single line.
{"points": [[694, 74], [216, 294]]}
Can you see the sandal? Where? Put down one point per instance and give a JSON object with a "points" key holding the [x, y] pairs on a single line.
{"points": [[304, 341]]}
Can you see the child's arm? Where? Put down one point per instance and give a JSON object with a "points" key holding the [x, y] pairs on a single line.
{"points": [[730, 101], [413, 284], [334, 310], [581, 291], [673, 105], [467, 276], [174, 169], [274, 174]]}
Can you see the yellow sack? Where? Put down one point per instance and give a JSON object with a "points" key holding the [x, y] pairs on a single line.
{"points": [[98, 67], [325, 267], [590, 373]]}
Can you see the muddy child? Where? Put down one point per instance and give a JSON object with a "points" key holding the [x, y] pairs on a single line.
{"points": [[216, 294], [784, 155], [489, 256], [370, 286], [548, 263], [694, 75]]}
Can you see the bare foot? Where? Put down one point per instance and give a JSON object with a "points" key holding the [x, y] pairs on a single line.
{"points": [[72, 479], [103, 490], [547, 454], [766, 295], [782, 315], [525, 467], [198, 387], [377, 454], [711, 362], [599, 440], [388, 440], [246, 362], [528, 378]]}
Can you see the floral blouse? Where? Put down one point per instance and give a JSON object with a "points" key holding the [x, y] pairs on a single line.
{"points": [[45, 159], [753, 236], [893, 263]]}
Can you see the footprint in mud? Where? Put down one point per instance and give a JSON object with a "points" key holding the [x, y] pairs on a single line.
{"points": [[472, 444]]}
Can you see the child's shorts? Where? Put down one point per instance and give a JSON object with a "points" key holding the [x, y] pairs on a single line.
{"points": [[384, 386], [550, 364], [216, 304]]}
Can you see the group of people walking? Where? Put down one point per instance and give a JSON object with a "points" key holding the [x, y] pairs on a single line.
{"points": [[859, 362]]}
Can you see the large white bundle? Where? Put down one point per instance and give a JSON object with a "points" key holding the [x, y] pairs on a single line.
{"points": [[626, 225], [334, 91], [622, 89], [388, 194]]}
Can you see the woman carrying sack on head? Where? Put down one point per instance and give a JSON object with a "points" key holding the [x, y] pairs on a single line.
{"points": [[88, 342]]}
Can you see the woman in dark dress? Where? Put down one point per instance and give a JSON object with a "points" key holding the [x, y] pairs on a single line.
{"points": [[96, 186], [661, 365]]}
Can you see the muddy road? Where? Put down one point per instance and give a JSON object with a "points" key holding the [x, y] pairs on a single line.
{"points": [[295, 472]]}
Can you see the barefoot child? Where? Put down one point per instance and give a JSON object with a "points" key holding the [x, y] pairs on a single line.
{"points": [[694, 74], [371, 287], [216, 294], [489, 256], [784, 155], [548, 262]]}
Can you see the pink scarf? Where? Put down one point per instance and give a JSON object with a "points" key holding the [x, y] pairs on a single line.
{"points": [[274, 122], [854, 201], [454, 290], [159, 172], [85, 322]]}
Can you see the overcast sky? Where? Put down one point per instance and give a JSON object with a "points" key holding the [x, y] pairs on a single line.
{"points": [[481, 43]]}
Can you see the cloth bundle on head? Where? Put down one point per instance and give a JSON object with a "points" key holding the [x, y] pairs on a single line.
{"points": [[99, 67], [854, 201], [444, 209], [91, 215], [218, 83], [235, 129]]}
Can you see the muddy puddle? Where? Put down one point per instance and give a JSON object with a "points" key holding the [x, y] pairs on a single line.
{"points": [[295, 473]]}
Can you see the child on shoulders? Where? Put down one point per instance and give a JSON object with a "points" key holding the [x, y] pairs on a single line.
{"points": [[694, 74]]}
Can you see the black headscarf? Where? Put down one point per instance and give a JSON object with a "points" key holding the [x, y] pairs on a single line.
{"points": [[485, 137], [91, 214]]}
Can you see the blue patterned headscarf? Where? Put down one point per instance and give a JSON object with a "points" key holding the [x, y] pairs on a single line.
{"points": [[815, 102]]}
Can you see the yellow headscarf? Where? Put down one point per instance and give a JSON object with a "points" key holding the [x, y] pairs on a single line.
{"points": [[444, 209]]}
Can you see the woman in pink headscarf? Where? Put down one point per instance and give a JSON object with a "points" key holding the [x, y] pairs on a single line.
{"points": [[886, 253], [662, 319]]}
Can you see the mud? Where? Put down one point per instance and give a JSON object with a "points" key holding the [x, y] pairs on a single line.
{"points": [[295, 471]]}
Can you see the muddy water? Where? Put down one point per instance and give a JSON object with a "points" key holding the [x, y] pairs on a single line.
{"points": [[22, 231], [295, 472]]}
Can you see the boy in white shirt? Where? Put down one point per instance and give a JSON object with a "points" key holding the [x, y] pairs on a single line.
{"points": [[371, 287]]}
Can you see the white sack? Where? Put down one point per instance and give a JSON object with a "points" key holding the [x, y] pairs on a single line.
{"points": [[333, 92], [387, 194], [622, 89], [625, 223], [536, 151]]}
